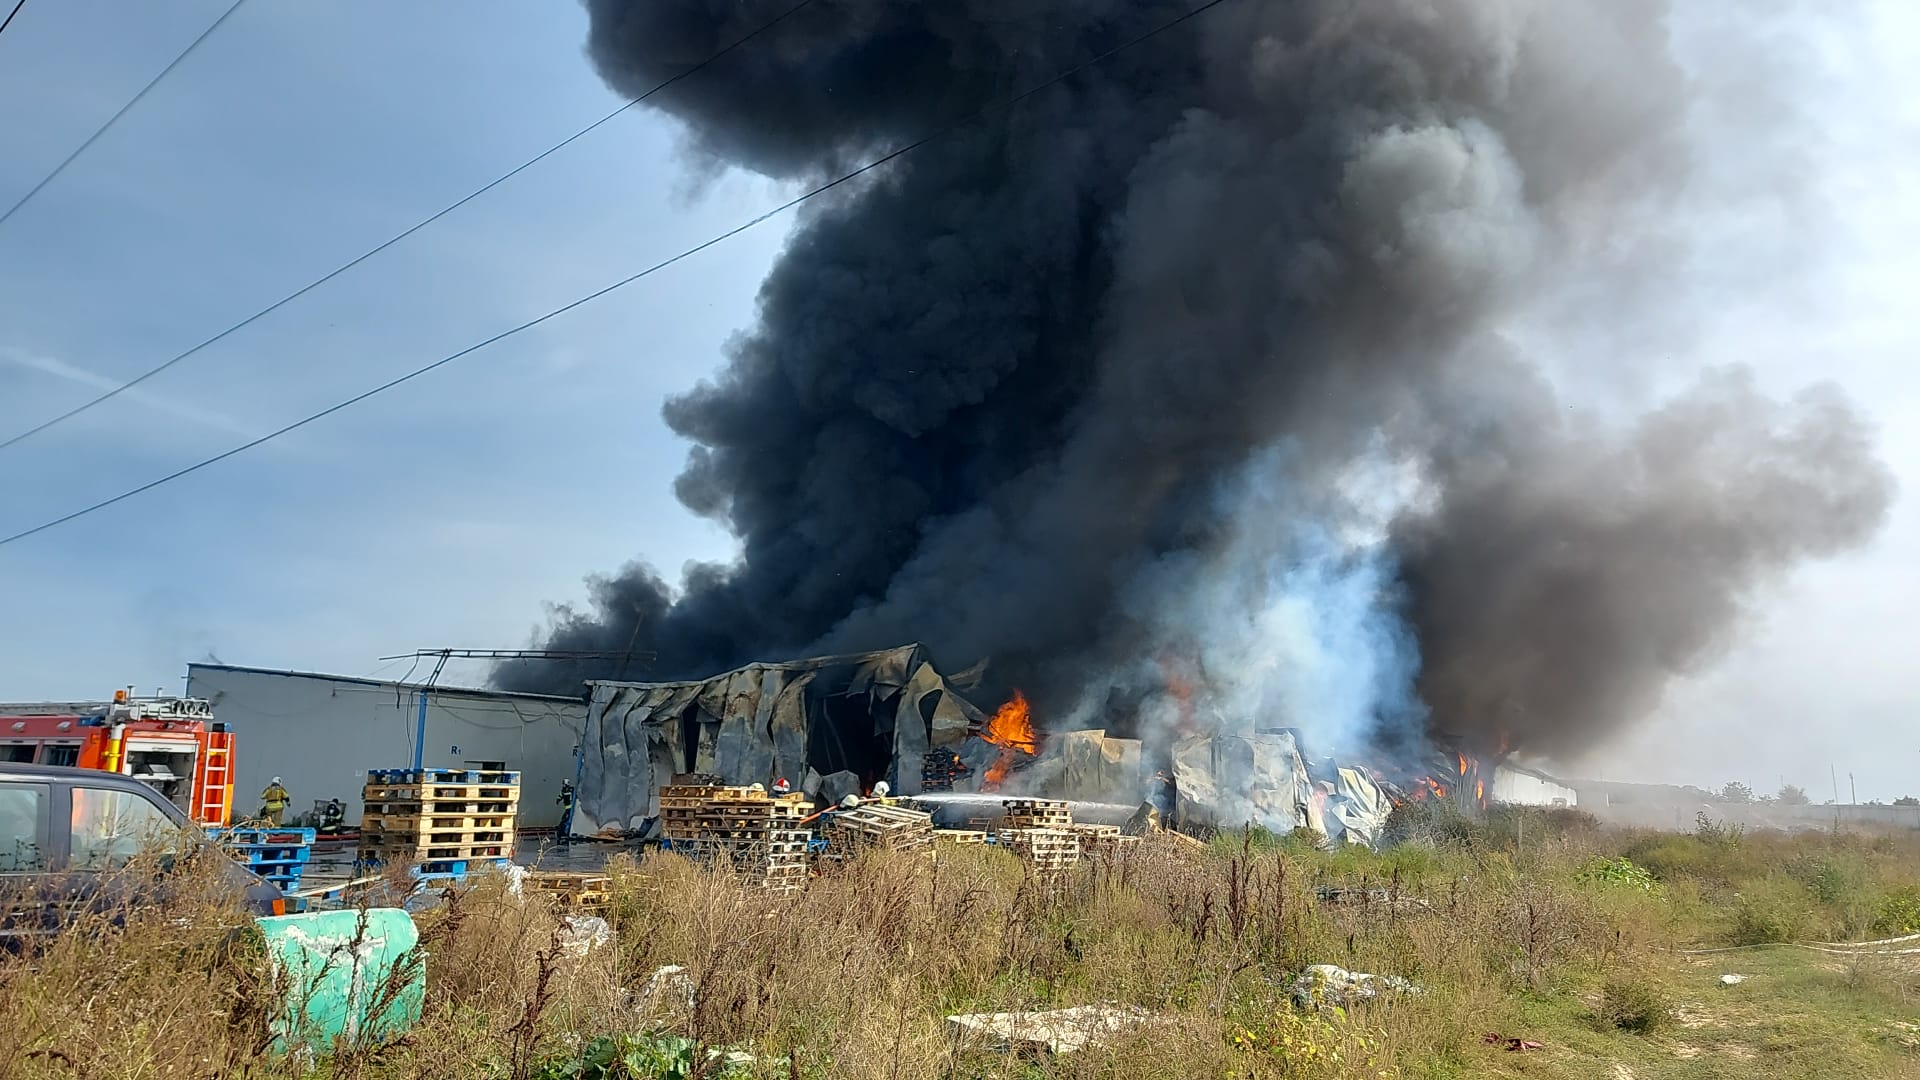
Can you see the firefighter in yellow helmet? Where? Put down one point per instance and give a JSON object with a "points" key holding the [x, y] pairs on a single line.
{"points": [[273, 802]]}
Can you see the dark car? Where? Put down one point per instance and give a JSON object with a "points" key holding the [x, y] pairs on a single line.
{"points": [[64, 832]]}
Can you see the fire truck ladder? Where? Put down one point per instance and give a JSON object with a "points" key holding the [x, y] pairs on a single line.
{"points": [[211, 796]]}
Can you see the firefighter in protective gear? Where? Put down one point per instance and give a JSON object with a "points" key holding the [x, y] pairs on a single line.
{"points": [[273, 802], [881, 791], [781, 787]]}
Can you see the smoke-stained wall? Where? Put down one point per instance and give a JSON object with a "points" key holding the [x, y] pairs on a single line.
{"points": [[1229, 315]]}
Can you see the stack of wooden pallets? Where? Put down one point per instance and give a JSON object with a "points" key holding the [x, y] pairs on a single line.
{"points": [[1036, 814], [1040, 832], [875, 826], [940, 768], [1102, 842], [449, 821], [764, 836], [1050, 852]]}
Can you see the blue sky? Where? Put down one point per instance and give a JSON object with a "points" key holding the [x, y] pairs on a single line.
{"points": [[449, 512], [297, 136]]}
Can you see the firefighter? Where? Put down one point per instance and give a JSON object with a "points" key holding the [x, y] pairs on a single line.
{"points": [[273, 802], [781, 787], [881, 791], [564, 833], [333, 816]]}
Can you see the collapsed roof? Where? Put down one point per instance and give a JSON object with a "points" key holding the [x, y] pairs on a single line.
{"points": [[850, 717]]}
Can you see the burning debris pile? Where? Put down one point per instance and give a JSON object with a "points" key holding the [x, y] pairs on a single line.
{"points": [[1011, 730], [1219, 388]]}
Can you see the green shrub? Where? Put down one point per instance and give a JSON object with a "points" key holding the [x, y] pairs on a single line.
{"points": [[1302, 1045], [1619, 871], [1634, 1004], [1713, 833], [1898, 911], [639, 1057], [1836, 878], [1770, 910]]}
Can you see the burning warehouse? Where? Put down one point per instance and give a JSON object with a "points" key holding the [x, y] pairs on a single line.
{"points": [[837, 725]]}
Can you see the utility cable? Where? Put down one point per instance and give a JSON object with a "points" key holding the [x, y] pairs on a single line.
{"points": [[102, 130], [1005, 103], [9, 20], [416, 227]]}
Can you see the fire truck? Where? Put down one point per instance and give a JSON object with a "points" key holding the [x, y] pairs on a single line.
{"points": [[172, 744]]}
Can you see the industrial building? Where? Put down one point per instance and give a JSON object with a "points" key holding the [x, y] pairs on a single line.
{"points": [[321, 733]]}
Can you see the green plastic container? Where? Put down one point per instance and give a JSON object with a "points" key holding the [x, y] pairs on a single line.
{"points": [[354, 975]]}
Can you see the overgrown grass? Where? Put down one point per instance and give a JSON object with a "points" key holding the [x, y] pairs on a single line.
{"points": [[1526, 925]]}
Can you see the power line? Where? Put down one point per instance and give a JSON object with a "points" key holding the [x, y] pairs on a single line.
{"points": [[102, 130], [1004, 103], [9, 20], [416, 227]]}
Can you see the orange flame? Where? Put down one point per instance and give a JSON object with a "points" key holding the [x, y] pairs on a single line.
{"points": [[1480, 792], [1011, 729], [1180, 687], [1463, 763]]}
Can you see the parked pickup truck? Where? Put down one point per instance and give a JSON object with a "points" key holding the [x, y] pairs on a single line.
{"points": [[63, 833]]}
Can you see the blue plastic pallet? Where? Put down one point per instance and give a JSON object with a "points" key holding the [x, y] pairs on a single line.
{"points": [[252, 837], [277, 866], [442, 776], [271, 856], [454, 869], [444, 869]]}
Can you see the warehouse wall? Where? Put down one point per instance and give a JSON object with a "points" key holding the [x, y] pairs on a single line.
{"points": [[321, 733], [1526, 789]]}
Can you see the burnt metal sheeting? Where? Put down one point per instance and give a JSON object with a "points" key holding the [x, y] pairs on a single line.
{"points": [[820, 716]]}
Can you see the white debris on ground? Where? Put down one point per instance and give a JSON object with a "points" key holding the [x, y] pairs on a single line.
{"points": [[515, 874], [669, 987], [1059, 1031], [584, 933], [1731, 979], [1331, 984]]}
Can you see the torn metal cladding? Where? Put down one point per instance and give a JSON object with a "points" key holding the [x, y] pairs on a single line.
{"points": [[833, 725]]}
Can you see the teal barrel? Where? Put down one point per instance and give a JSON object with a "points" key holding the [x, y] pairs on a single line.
{"points": [[354, 975]]}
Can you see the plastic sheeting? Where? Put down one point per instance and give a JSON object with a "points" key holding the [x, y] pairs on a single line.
{"points": [[856, 714], [1228, 781], [1357, 809]]}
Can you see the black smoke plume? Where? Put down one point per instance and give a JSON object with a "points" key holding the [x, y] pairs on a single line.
{"points": [[997, 390]]}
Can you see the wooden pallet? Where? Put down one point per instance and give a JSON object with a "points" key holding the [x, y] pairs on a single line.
{"points": [[571, 888], [753, 849], [1107, 847], [864, 828], [960, 836], [424, 793], [1048, 851], [437, 852], [379, 821], [721, 815], [1037, 814], [1086, 830], [438, 808], [425, 800]]}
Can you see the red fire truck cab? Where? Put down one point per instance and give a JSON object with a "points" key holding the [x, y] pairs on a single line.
{"points": [[171, 744]]}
